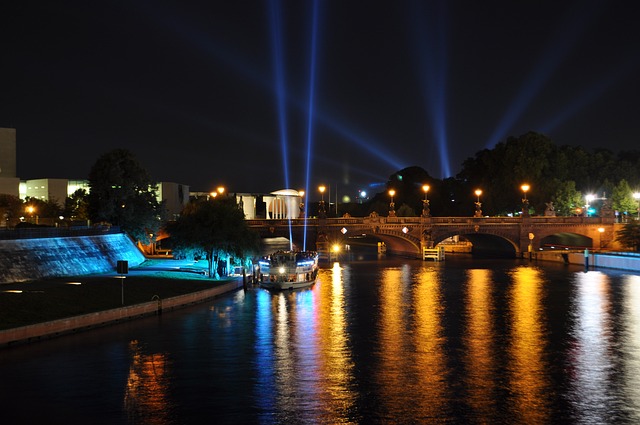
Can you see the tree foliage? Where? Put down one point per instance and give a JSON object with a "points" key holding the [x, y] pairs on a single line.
{"points": [[122, 193], [622, 198], [629, 235], [216, 226], [76, 206], [550, 170], [11, 209], [44, 209]]}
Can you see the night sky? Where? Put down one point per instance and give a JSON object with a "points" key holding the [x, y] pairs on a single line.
{"points": [[201, 91]]}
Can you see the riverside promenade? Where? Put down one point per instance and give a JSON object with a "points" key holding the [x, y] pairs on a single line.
{"points": [[31, 311]]}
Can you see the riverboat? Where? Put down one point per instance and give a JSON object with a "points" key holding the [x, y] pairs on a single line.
{"points": [[288, 270]]}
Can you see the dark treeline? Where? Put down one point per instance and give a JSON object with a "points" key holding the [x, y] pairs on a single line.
{"points": [[562, 175]]}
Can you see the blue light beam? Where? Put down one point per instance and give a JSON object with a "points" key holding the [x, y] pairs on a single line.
{"points": [[551, 59], [431, 51], [312, 81], [278, 63]]}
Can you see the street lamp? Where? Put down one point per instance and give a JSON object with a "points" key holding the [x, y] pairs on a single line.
{"points": [[301, 193], [478, 212], [30, 209], [220, 190], [636, 196], [425, 202], [392, 206], [525, 202], [589, 199], [321, 210]]}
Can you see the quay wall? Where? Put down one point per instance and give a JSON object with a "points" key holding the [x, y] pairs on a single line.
{"points": [[32, 259], [31, 333], [610, 260]]}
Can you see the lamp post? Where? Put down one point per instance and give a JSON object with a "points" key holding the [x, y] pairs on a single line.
{"points": [[589, 199], [322, 213], [392, 206], [478, 212], [636, 196], [525, 202], [31, 209], [301, 193], [425, 203]]}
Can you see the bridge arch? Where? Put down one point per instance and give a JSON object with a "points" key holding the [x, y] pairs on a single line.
{"points": [[485, 243], [408, 235]]}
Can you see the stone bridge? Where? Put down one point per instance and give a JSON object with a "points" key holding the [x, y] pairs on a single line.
{"points": [[409, 235]]}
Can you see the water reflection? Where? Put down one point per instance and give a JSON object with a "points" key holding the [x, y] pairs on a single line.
{"points": [[480, 362], [334, 357], [383, 342], [631, 346], [429, 366], [529, 383], [591, 392], [146, 397], [393, 354], [305, 365]]}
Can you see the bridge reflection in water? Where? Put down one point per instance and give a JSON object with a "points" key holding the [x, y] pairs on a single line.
{"points": [[408, 236]]}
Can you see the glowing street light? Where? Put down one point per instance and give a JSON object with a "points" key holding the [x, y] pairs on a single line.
{"points": [[589, 199], [392, 206], [636, 196], [220, 189], [425, 202], [478, 212], [525, 202], [525, 188], [322, 211], [301, 193], [30, 209]]}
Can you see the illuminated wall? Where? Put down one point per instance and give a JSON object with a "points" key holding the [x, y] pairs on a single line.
{"points": [[175, 197], [48, 189], [30, 259]]}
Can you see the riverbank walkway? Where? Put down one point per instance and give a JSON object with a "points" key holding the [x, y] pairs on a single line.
{"points": [[44, 308]]}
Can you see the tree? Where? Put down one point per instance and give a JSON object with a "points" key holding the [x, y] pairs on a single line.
{"points": [[11, 209], [76, 206], [43, 209], [405, 211], [629, 235], [215, 226], [622, 198], [566, 198], [123, 194]]}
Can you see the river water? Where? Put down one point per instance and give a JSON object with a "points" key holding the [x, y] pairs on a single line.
{"points": [[391, 341]]}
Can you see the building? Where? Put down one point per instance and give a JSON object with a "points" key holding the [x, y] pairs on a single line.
{"points": [[175, 196], [9, 182], [281, 204], [46, 190]]}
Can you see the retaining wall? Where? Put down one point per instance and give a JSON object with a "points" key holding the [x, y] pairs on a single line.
{"points": [[621, 261], [54, 328], [31, 259]]}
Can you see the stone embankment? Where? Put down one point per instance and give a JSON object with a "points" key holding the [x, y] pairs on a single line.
{"points": [[59, 327], [609, 260]]}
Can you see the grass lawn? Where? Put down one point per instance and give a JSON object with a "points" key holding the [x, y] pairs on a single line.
{"points": [[57, 298]]}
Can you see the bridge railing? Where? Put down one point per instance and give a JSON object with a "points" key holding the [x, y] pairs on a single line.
{"points": [[431, 220]]}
